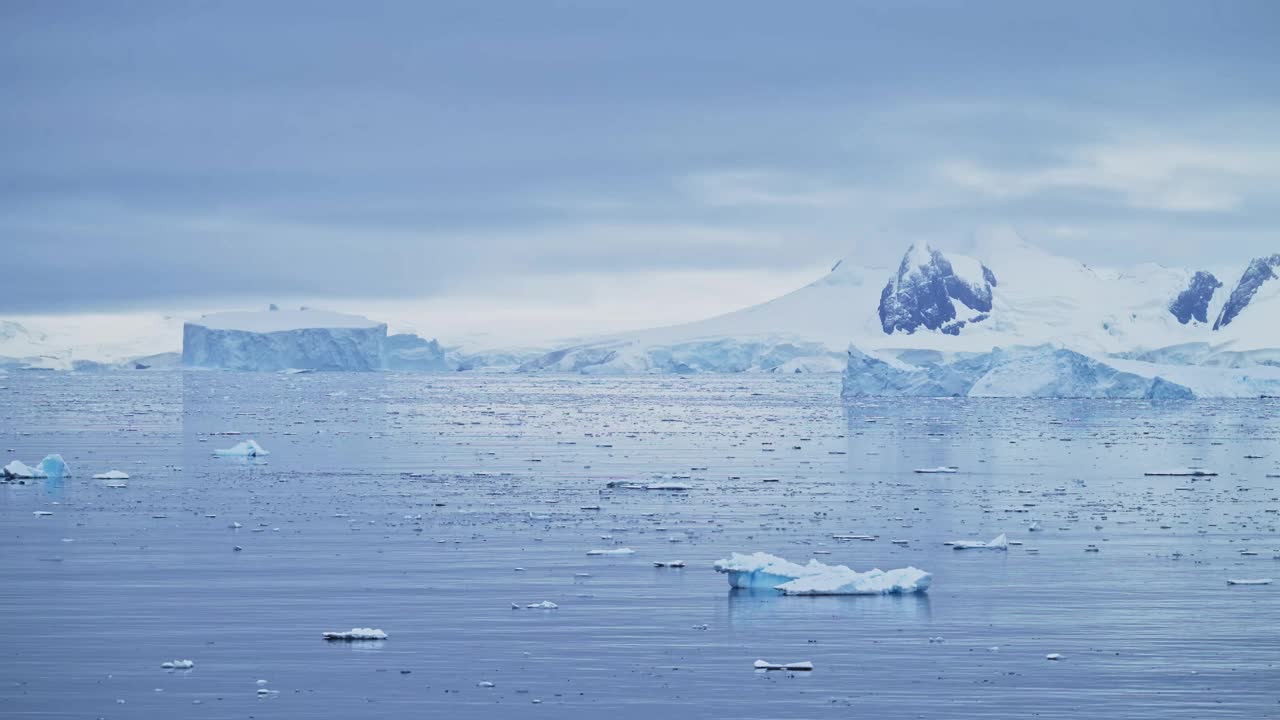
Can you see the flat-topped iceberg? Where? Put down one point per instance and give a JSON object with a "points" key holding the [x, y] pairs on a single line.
{"points": [[999, 542], [840, 580], [277, 340], [357, 634], [762, 570]]}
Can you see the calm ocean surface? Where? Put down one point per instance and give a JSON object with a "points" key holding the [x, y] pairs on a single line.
{"points": [[426, 505]]}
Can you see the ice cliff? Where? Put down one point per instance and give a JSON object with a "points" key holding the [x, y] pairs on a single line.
{"points": [[282, 339]]}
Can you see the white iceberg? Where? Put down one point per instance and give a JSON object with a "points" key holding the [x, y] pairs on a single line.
{"points": [[794, 667], [112, 475], [356, 634], [1249, 581], [18, 470], [247, 448], [762, 570], [946, 469], [999, 542], [840, 580], [544, 605], [1181, 472], [613, 551], [178, 665]]}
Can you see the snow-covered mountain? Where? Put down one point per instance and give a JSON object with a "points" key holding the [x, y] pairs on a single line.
{"points": [[1003, 292]]}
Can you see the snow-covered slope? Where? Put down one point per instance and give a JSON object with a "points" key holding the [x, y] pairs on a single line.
{"points": [[1001, 292], [283, 339]]}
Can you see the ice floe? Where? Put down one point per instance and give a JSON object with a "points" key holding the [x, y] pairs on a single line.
{"points": [[794, 667], [1249, 581], [944, 470], [112, 475], [612, 551], [178, 665], [357, 634], [18, 470], [246, 448], [999, 542], [762, 570], [1180, 472]]}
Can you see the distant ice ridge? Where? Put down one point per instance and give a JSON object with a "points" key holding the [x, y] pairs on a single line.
{"points": [[276, 340], [1044, 371], [762, 570], [717, 355]]}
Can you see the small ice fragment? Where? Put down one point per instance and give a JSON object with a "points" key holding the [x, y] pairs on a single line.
{"points": [[1181, 472], [943, 470], [356, 634], [18, 470], [112, 475], [612, 551], [484, 684], [669, 564], [247, 448], [1053, 656], [999, 542], [178, 665], [795, 667], [1035, 526], [1249, 581], [544, 605]]}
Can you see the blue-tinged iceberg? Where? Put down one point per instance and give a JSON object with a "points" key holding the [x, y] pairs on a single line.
{"points": [[282, 339]]}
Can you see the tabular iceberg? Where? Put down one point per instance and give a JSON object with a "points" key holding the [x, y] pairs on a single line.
{"points": [[282, 339]]}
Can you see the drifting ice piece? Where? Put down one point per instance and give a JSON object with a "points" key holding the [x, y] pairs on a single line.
{"points": [[19, 470], [946, 469], [1181, 472], [840, 580], [356, 634], [53, 466], [544, 605], [1250, 581], [614, 551], [112, 475], [1000, 542], [794, 667], [178, 665], [762, 570], [248, 448]]}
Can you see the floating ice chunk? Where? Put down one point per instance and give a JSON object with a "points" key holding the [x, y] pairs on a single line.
{"points": [[112, 475], [631, 485], [53, 466], [1249, 581], [669, 564], [762, 570], [1053, 656], [246, 448], [611, 551], [1181, 472], [18, 470], [1000, 542], [544, 605], [356, 634], [794, 667], [42, 513], [1035, 526], [178, 665], [840, 580], [946, 469]]}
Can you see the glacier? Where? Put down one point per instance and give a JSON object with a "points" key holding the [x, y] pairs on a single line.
{"points": [[1045, 371], [276, 340]]}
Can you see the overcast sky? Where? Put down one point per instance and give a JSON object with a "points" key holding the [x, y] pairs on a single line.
{"points": [[579, 166]]}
